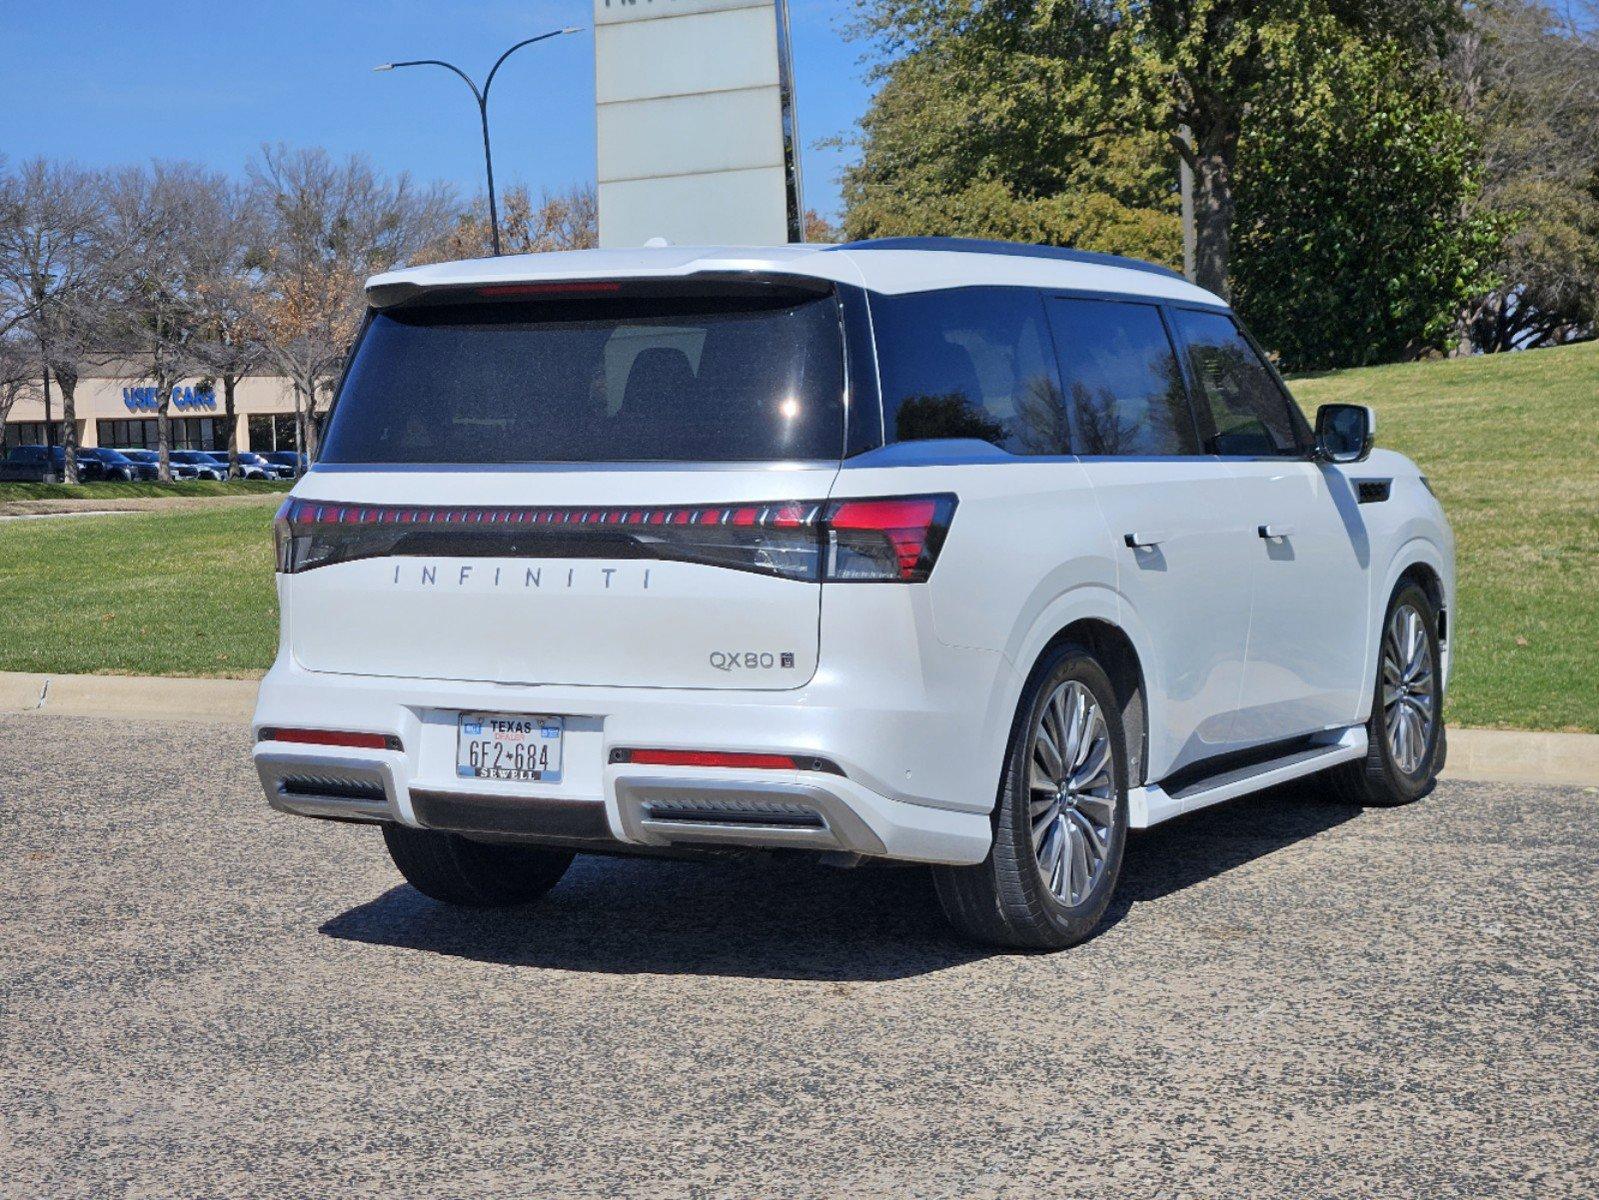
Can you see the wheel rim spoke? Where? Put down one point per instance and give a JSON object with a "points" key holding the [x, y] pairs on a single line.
{"points": [[1408, 679], [1072, 803]]}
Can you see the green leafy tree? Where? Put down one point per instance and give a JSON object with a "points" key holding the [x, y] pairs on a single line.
{"points": [[986, 124], [1354, 236], [1053, 83]]}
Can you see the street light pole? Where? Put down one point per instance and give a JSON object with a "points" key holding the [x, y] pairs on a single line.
{"points": [[481, 95]]}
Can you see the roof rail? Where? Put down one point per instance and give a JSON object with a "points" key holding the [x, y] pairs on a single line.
{"points": [[1019, 249]]}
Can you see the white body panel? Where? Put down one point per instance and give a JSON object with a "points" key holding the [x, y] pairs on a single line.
{"points": [[907, 691]]}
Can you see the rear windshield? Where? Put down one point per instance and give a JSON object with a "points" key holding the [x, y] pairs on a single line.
{"points": [[681, 379]]}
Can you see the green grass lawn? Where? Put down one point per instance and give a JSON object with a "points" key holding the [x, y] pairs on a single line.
{"points": [[181, 592], [1510, 442], [137, 491]]}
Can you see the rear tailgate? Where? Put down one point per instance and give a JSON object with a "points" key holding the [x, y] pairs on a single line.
{"points": [[552, 577]]}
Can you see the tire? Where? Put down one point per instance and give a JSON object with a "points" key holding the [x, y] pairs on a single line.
{"points": [[456, 870], [1012, 898], [1390, 775]]}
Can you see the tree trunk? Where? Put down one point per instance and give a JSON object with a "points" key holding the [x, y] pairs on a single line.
{"points": [[1213, 207], [312, 433], [229, 382], [69, 424], [163, 427], [49, 426]]}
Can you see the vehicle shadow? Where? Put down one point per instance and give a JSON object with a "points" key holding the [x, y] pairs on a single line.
{"points": [[790, 918]]}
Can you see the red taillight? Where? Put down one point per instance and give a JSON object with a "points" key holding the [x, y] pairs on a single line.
{"points": [[905, 523], [894, 539], [331, 737], [872, 540]]}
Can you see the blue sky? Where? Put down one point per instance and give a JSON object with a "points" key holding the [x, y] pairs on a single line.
{"points": [[108, 82]]}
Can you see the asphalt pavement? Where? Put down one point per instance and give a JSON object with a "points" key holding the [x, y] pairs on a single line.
{"points": [[199, 997]]}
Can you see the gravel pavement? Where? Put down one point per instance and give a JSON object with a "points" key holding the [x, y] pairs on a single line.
{"points": [[199, 997]]}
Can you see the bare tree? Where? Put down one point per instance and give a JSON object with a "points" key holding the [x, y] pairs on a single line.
{"points": [[158, 213], [16, 372], [227, 295], [55, 259], [326, 226], [560, 220], [1528, 77]]}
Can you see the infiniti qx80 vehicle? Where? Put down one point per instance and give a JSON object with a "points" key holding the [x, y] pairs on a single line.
{"points": [[962, 553]]}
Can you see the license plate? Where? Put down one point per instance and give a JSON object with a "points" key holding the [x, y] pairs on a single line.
{"points": [[511, 746]]}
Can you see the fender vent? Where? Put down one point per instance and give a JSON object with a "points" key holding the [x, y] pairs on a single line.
{"points": [[1373, 491]]}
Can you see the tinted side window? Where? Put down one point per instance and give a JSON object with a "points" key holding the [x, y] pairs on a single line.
{"points": [[1249, 411], [969, 363], [1124, 392]]}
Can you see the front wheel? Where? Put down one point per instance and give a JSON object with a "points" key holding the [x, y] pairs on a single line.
{"points": [[1060, 824], [457, 870], [1405, 734]]}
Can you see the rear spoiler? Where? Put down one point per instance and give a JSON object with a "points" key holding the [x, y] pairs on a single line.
{"points": [[703, 283]]}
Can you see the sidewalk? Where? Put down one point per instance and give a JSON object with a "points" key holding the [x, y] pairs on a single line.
{"points": [[1489, 755]]}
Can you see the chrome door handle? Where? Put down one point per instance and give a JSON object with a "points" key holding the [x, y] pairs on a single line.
{"points": [[1145, 541], [1274, 532]]}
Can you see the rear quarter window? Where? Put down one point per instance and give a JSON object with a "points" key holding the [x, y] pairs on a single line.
{"points": [[969, 363]]}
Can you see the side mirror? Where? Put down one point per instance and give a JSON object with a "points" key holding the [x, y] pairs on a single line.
{"points": [[1345, 433]]}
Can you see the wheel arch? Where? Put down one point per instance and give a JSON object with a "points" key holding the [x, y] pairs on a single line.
{"points": [[1422, 562], [1113, 649]]}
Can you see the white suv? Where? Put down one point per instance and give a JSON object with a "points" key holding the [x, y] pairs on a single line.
{"points": [[964, 553]]}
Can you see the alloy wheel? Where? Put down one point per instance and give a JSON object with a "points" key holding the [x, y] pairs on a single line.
{"points": [[1073, 792], [1409, 689]]}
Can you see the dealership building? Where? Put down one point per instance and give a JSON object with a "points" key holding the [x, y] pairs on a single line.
{"points": [[121, 414]]}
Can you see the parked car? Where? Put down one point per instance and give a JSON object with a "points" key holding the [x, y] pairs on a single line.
{"points": [[181, 472], [115, 465], [295, 461], [205, 467], [252, 465], [40, 464], [33, 464], [963, 553]]}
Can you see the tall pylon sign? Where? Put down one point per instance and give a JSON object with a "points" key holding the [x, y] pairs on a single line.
{"points": [[695, 127]]}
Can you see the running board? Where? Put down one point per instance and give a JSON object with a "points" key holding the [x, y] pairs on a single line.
{"points": [[1151, 805]]}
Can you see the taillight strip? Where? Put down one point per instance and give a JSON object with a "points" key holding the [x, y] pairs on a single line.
{"points": [[893, 539], [782, 514]]}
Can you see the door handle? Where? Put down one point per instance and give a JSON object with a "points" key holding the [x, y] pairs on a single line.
{"points": [[1145, 541], [1275, 532]]}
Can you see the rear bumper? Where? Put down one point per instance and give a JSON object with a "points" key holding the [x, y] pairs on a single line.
{"points": [[621, 805]]}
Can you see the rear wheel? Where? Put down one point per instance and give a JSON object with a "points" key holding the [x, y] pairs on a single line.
{"points": [[1405, 734], [1061, 821], [457, 870]]}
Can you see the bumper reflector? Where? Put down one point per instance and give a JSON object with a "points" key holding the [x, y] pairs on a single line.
{"points": [[722, 758], [331, 737]]}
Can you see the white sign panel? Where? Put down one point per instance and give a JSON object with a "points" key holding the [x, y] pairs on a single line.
{"points": [[693, 100]]}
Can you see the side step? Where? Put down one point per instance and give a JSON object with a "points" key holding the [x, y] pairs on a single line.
{"points": [[1152, 804]]}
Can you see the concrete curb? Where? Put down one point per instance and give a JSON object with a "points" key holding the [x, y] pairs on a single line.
{"points": [[1489, 755], [129, 697], [1514, 756]]}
